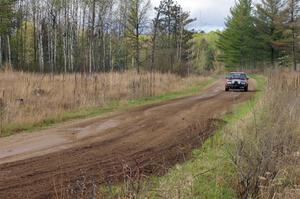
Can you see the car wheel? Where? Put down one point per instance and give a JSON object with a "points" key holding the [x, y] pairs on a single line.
{"points": [[226, 89], [246, 89]]}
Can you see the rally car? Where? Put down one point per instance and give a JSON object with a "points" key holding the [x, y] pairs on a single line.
{"points": [[237, 80]]}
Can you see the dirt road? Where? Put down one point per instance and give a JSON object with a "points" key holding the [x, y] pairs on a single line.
{"points": [[145, 140]]}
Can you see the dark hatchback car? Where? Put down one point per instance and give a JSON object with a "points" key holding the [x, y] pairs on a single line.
{"points": [[237, 80]]}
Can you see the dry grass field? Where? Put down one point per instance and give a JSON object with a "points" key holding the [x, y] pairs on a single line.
{"points": [[31, 98], [267, 152]]}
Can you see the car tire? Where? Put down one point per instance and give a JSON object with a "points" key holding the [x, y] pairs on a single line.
{"points": [[226, 89], [246, 89]]}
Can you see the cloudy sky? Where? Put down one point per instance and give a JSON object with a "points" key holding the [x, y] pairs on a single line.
{"points": [[210, 14]]}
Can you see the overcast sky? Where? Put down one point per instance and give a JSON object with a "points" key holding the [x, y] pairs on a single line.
{"points": [[210, 14]]}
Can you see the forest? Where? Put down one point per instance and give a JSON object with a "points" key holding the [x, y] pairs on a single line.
{"points": [[93, 36], [61, 36]]}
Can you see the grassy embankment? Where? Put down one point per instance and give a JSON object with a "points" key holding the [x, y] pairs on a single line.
{"points": [[31, 102], [209, 174]]}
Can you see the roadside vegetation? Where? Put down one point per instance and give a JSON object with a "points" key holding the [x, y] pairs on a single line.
{"points": [[266, 147]]}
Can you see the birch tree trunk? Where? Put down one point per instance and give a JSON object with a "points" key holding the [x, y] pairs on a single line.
{"points": [[111, 63], [50, 51], [92, 32], [54, 49], [41, 49], [24, 47], [137, 40], [65, 37], [82, 42], [65, 53], [34, 33], [72, 52]]}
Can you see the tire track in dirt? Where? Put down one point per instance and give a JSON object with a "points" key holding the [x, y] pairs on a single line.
{"points": [[143, 141]]}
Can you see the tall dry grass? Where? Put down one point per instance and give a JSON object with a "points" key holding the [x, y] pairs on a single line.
{"points": [[267, 144], [30, 98]]}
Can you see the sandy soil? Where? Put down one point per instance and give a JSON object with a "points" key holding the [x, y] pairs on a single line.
{"points": [[83, 154]]}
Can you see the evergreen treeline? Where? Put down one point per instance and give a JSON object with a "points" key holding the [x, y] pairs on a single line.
{"points": [[264, 35], [93, 35]]}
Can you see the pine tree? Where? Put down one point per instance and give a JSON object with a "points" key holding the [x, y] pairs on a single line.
{"points": [[238, 41], [171, 32], [268, 21], [136, 25], [292, 29]]}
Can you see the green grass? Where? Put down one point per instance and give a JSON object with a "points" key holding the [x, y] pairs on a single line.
{"points": [[114, 106], [209, 174]]}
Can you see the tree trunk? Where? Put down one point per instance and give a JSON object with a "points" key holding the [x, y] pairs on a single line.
{"points": [[90, 58], [0, 51], [72, 52], [293, 20], [65, 54], [273, 57], [83, 47], [54, 49], [41, 49], [92, 36], [65, 37], [111, 62], [9, 50], [34, 35], [50, 51], [294, 52], [138, 51], [104, 51], [24, 47]]}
